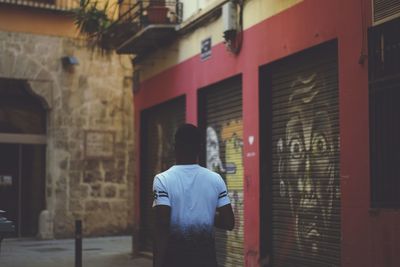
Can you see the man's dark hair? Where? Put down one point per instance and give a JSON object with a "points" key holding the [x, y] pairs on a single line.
{"points": [[188, 140]]}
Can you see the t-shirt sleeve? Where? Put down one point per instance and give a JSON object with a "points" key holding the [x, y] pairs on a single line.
{"points": [[223, 198], [160, 193]]}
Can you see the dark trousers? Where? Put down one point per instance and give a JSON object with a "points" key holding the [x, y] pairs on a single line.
{"points": [[184, 256]]}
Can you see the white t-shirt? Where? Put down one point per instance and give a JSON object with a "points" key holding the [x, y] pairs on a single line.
{"points": [[193, 193]]}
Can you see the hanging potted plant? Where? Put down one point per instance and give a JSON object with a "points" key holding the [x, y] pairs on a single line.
{"points": [[91, 20]]}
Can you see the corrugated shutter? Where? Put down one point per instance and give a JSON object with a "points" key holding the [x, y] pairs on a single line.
{"points": [[305, 155], [222, 111], [385, 10], [159, 125]]}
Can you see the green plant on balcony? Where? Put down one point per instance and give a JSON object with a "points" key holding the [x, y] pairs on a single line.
{"points": [[93, 21]]}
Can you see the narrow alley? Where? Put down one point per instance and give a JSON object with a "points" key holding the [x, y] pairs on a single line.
{"points": [[97, 252]]}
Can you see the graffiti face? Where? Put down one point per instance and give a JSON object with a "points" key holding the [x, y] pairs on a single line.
{"points": [[224, 155], [307, 164], [213, 157]]}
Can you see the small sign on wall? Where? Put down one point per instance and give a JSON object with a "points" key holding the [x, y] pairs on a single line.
{"points": [[205, 49], [99, 144], [6, 180]]}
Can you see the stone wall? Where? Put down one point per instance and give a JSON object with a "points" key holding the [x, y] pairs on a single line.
{"points": [[92, 97]]}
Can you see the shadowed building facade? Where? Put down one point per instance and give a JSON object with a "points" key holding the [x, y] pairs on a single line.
{"points": [[66, 129]]}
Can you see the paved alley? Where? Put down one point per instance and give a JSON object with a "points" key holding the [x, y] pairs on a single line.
{"points": [[97, 252]]}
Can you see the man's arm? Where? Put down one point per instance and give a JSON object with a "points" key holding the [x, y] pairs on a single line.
{"points": [[162, 224], [224, 218]]}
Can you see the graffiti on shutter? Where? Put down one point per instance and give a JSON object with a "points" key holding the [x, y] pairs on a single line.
{"points": [[306, 192], [224, 154]]}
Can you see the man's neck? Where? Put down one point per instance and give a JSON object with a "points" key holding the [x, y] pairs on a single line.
{"points": [[185, 161]]}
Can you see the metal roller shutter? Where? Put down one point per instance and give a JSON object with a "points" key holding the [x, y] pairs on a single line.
{"points": [[159, 125], [305, 156], [221, 108]]}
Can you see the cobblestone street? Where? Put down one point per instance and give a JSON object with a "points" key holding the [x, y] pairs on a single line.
{"points": [[97, 252]]}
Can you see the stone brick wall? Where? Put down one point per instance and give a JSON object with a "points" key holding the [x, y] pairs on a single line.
{"points": [[92, 96]]}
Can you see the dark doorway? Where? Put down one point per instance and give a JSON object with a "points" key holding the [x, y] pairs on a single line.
{"points": [[9, 178], [22, 185], [32, 187], [159, 124], [22, 155]]}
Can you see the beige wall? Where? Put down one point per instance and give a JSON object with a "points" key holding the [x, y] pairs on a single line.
{"points": [[29, 20], [14, 18]]}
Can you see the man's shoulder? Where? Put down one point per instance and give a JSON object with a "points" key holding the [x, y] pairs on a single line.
{"points": [[213, 175], [208, 171], [168, 174], [164, 174], [171, 172]]}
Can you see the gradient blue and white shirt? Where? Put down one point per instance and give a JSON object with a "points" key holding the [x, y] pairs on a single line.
{"points": [[193, 193]]}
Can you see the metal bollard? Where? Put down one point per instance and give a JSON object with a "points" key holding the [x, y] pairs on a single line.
{"points": [[78, 243]]}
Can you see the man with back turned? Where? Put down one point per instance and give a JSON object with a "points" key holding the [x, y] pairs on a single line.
{"points": [[188, 201]]}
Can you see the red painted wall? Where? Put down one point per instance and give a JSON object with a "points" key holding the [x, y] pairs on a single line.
{"points": [[368, 239]]}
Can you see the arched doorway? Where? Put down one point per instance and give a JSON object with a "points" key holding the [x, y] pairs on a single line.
{"points": [[23, 120]]}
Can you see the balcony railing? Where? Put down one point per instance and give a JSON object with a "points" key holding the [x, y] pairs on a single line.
{"points": [[150, 12], [142, 23], [57, 5]]}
